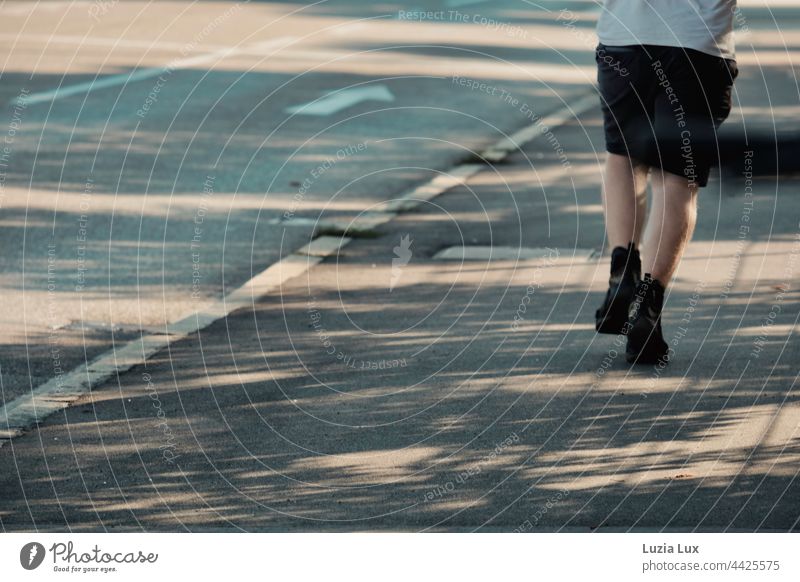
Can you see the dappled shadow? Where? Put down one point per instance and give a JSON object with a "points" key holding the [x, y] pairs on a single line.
{"points": [[484, 424], [344, 402]]}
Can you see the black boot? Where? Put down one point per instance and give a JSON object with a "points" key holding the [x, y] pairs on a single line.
{"points": [[646, 343], [626, 272]]}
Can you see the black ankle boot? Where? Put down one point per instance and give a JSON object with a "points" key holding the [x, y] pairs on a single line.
{"points": [[646, 343], [626, 272]]}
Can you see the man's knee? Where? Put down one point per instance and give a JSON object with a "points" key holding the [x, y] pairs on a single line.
{"points": [[626, 163], [676, 182]]}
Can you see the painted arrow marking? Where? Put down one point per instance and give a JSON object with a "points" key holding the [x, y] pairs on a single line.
{"points": [[339, 100]]}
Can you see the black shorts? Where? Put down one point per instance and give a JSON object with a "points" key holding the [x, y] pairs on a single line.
{"points": [[662, 105]]}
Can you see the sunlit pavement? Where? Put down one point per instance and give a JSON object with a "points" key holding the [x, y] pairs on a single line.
{"points": [[385, 388], [194, 99]]}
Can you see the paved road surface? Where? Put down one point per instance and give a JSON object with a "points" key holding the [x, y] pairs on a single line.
{"points": [[369, 393], [105, 184]]}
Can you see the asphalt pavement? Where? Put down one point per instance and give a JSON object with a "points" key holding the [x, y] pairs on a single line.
{"points": [[407, 381], [133, 111]]}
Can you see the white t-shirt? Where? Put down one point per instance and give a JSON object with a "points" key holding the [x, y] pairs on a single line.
{"points": [[703, 25]]}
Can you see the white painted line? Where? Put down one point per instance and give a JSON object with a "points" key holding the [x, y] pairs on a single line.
{"points": [[139, 75], [270, 279], [324, 246], [339, 226], [58, 393], [369, 220], [364, 223], [295, 221], [429, 190], [44, 400], [489, 253], [540, 127], [338, 100]]}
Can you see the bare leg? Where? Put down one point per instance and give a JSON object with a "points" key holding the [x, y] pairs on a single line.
{"points": [[670, 225], [624, 199]]}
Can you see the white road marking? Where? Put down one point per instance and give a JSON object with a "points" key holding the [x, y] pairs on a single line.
{"points": [[338, 100], [364, 223], [295, 221], [122, 79], [58, 393], [515, 141], [61, 391], [368, 221], [438, 185], [323, 246]]}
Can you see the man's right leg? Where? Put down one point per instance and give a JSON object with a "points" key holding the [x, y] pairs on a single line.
{"points": [[624, 199], [624, 204], [627, 114]]}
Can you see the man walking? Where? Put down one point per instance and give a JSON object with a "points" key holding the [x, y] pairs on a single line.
{"points": [[665, 72]]}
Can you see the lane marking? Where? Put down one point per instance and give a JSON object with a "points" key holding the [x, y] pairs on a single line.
{"points": [[541, 126], [323, 246], [364, 223], [138, 75], [336, 101], [433, 188], [58, 393]]}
